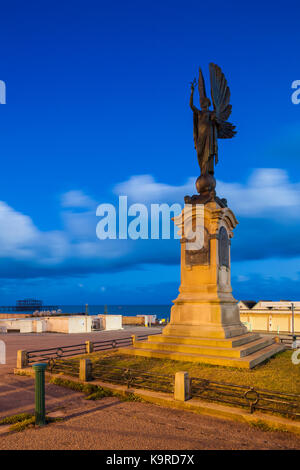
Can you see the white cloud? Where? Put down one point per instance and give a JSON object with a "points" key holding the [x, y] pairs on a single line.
{"points": [[21, 239], [268, 192], [144, 188], [77, 199], [16, 229], [80, 225]]}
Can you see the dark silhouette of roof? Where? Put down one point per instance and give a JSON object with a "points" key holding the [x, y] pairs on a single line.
{"points": [[249, 303]]}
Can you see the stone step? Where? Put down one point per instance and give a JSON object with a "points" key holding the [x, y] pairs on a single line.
{"points": [[243, 362], [197, 341], [239, 351]]}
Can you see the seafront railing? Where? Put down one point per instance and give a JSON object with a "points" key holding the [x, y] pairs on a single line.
{"points": [[38, 355], [181, 385], [289, 339], [133, 378], [27, 358], [63, 361], [246, 397]]}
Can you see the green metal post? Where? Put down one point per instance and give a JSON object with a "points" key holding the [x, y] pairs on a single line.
{"points": [[40, 412]]}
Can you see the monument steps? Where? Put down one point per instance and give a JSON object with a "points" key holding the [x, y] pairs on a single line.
{"points": [[246, 362], [199, 341], [237, 352]]}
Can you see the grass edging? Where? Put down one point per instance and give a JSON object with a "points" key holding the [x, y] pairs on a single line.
{"points": [[21, 421]]}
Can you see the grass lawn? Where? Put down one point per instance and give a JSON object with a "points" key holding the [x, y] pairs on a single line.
{"points": [[277, 374]]}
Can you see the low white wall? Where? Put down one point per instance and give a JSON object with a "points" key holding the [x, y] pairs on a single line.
{"points": [[24, 325], [80, 324], [57, 325], [111, 322], [76, 324], [9, 324], [72, 324], [149, 319], [40, 326]]}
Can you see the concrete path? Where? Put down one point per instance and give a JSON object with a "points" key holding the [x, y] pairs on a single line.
{"points": [[111, 424]]}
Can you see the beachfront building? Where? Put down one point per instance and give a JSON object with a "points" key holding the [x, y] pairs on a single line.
{"points": [[270, 316], [62, 324]]}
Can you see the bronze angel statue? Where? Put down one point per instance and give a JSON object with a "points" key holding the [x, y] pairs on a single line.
{"points": [[209, 126]]}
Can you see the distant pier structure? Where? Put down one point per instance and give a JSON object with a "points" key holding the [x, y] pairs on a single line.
{"points": [[27, 305]]}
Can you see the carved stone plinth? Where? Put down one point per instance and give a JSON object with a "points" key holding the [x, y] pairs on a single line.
{"points": [[205, 306], [205, 321]]}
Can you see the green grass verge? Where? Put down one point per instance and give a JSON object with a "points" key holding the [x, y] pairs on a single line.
{"points": [[21, 425], [129, 397], [22, 421], [15, 418], [277, 374], [92, 392], [262, 426]]}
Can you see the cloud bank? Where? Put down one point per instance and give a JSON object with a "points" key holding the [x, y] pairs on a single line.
{"points": [[267, 191], [268, 207]]}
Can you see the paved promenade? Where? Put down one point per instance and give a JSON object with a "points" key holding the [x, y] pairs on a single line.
{"points": [[31, 341], [110, 423], [17, 393]]}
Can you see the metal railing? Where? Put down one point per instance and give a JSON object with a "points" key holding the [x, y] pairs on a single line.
{"points": [[62, 366], [60, 352], [245, 396], [133, 378], [38, 355], [112, 344], [61, 360], [289, 339]]}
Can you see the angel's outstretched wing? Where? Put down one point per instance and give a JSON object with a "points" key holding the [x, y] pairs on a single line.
{"points": [[220, 94], [201, 88], [226, 130]]}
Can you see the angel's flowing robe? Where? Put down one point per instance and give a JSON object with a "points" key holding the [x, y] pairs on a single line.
{"points": [[205, 138]]}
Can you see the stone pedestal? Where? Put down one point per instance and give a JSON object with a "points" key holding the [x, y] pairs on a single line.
{"points": [[205, 321], [205, 306]]}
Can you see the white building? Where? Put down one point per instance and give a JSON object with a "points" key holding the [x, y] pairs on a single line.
{"points": [[270, 316]]}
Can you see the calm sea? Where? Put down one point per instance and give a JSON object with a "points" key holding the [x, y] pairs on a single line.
{"points": [[161, 311]]}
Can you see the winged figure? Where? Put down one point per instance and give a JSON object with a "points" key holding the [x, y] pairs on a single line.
{"points": [[209, 126]]}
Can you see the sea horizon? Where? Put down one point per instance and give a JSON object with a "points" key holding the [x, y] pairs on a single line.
{"points": [[160, 310]]}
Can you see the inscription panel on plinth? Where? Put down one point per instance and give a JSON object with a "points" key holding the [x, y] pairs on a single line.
{"points": [[223, 247], [199, 257]]}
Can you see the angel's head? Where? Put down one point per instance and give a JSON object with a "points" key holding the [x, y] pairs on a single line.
{"points": [[205, 103]]}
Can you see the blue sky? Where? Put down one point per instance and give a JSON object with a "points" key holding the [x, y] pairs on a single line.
{"points": [[97, 100]]}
